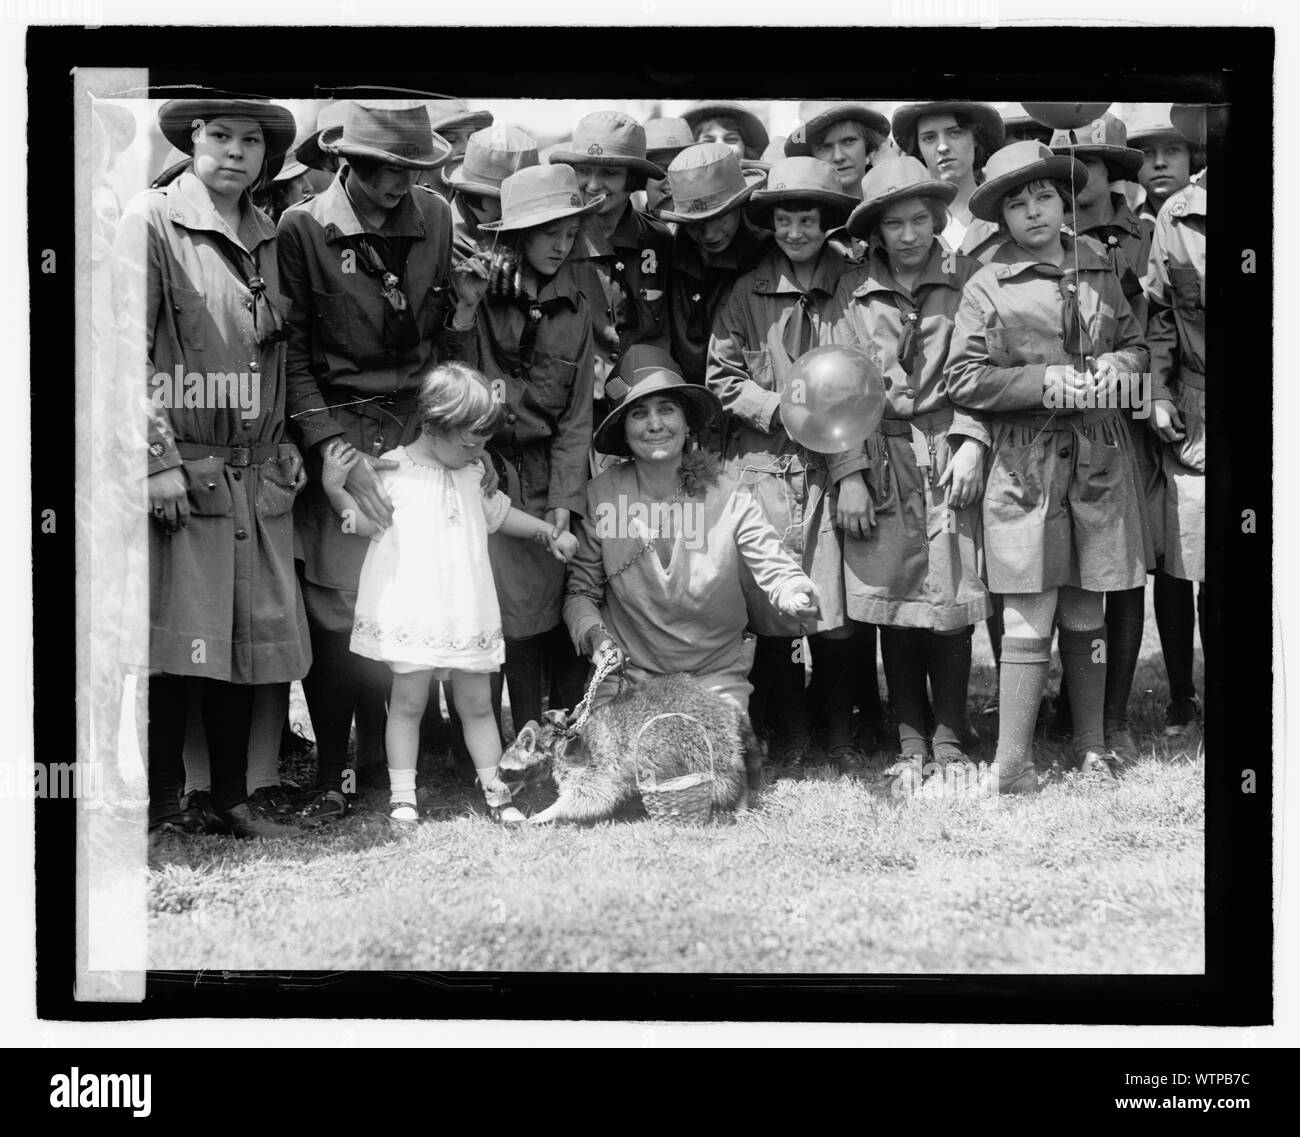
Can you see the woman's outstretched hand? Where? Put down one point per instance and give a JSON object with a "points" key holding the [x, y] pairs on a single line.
{"points": [[803, 603]]}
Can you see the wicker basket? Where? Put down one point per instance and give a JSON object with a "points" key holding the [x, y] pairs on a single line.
{"points": [[687, 800]]}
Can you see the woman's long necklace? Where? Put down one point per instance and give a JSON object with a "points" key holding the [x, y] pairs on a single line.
{"points": [[646, 546]]}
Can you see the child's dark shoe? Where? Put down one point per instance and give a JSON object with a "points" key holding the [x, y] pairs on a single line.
{"points": [[326, 806]]}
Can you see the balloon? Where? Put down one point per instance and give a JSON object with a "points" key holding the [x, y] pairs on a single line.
{"points": [[832, 398], [1065, 116]]}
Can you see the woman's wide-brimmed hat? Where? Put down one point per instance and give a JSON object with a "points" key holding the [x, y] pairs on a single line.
{"points": [[455, 114], [706, 180], [665, 138], [643, 371], [815, 118], [607, 138], [539, 195], [894, 181], [329, 125], [1150, 120], [907, 117], [1104, 138], [396, 133], [1013, 166], [747, 122], [176, 120], [292, 169], [801, 179], [491, 156]]}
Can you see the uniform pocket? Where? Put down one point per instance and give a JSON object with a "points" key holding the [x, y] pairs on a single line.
{"points": [[1101, 472], [1186, 284], [190, 310], [551, 379], [333, 319], [275, 485], [1191, 450], [1014, 485], [1008, 346], [209, 493], [880, 475]]}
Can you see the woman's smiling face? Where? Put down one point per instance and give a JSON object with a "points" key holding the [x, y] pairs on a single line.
{"points": [[229, 154], [655, 428]]}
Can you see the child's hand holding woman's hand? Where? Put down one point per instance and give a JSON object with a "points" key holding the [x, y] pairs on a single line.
{"points": [[564, 546], [336, 463]]}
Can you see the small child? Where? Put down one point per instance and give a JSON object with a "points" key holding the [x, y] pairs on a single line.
{"points": [[426, 602]]}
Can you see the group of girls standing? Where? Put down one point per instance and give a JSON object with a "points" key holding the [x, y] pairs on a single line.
{"points": [[397, 509]]}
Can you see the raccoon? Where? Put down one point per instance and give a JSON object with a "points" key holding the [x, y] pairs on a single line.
{"points": [[593, 770]]}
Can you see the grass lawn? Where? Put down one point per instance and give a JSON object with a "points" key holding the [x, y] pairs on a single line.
{"points": [[824, 875]]}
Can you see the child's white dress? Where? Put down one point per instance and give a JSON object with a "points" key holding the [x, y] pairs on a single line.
{"points": [[426, 597]]}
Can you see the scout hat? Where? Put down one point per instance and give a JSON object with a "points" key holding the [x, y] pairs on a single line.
{"points": [[642, 371], [1103, 138], [396, 133], [329, 125], [491, 156], [1150, 120], [892, 181], [176, 120], [817, 117], [292, 169], [539, 195], [607, 138], [706, 180], [451, 114], [665, 138], [751, 129], [801, 179], [1013, 166], [908, 116]]}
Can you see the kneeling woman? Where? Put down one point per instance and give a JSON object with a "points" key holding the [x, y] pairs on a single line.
{"points": [[657, 576], [914, 570], [532, 339], [1043, 335]]}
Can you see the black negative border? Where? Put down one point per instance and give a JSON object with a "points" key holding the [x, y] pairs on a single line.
{"points": [[1214, 64]]}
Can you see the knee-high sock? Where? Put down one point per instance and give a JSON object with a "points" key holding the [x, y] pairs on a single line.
{"points": [[833, 662], [1125, 618], [166, 734], [903, 651], [1083, 659], [331, 691], [1174, 616], [1020, 687], [227, 717], [947, 658]]}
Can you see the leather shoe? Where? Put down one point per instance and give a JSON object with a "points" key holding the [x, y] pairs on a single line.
{"points": [[243, 822]]}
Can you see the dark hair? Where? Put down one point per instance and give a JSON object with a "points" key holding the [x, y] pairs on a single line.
{"points": [[1062, 188], [874, 141], [938, 211], [725, 121], [983, 143], [828, 216], [368, 169]]}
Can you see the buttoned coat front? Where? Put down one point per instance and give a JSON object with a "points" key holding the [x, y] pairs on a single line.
{"points": [[346, 375], [1061, 497], [539, 357], [224, 601], [749, 357]]}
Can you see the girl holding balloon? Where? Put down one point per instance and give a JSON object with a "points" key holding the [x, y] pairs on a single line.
{"points": [[772, 318], [1043, 336], [906, 499]]}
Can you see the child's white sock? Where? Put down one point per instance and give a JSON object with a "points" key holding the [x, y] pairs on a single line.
{"points": [[401, 785]]}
